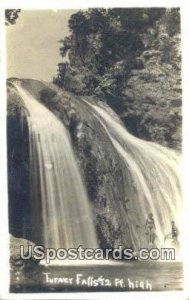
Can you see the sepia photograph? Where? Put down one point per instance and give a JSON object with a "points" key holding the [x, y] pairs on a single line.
{"points": [[94, 149]]}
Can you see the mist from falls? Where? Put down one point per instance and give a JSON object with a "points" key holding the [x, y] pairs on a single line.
{"points": [[66, 217], [151, 180]]}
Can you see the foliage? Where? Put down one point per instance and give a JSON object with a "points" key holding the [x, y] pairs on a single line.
{"points": [[130, 58], [47, 94], [11, 16], [104, 44]]}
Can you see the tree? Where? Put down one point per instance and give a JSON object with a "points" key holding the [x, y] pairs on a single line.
{"points": [[105, 40], [130, 58]]}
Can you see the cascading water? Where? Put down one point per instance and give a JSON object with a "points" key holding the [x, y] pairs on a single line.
{"points": [[153, 174], [150, 173], [65, 210]]}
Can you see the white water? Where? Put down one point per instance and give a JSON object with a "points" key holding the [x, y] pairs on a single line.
{"points": [[150, 172], [66, 213], [152, 180]]}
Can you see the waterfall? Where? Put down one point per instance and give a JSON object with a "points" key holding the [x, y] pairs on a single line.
{"points": [[62, 203], [60, 206], [151, 177]]}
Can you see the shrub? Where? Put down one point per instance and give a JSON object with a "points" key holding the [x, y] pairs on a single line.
{"points": [[47, 95]]}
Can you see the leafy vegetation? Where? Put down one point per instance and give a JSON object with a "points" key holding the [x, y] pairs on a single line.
{"points": [[47, 94], [11, 16], [129, 58]]}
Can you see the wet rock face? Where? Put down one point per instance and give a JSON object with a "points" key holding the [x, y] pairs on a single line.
{"points": [[18, 166], [100, 167], [102, 174]]}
